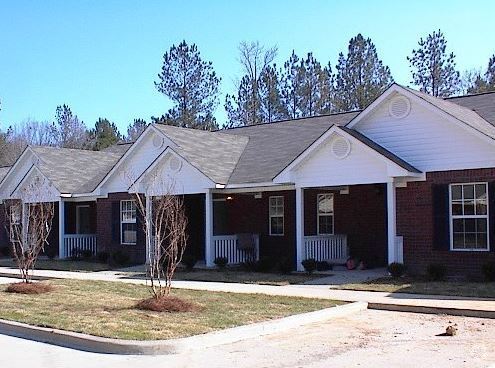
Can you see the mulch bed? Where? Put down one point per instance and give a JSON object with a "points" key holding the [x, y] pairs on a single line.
{"points": [[29, 288], [169, 303]]}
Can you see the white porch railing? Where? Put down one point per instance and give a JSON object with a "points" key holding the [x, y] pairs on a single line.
{"points": [[332, 248], [74, 243], [226, 246]]}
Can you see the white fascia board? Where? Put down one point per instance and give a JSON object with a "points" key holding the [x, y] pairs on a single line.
{"points": [[255, 189], [12, 170]]}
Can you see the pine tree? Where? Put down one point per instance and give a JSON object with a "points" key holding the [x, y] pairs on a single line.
{"points": [[433, 69], [292, 89], [478, 82], [238, 107], [316, 86], [135, 129], [270, 98], [192, 85], [361, 76], [103, 135], [71, 132]]}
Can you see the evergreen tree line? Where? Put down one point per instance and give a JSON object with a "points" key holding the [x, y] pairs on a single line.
{"points": [[264, 92]]}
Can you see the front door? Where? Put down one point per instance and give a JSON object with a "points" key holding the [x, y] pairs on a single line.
{"points": [[82, 219]]}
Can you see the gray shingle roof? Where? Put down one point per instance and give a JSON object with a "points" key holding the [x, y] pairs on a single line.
{"points": [[464, 114], [273, 146], [215, 154], [482, 103], [73, 170]]}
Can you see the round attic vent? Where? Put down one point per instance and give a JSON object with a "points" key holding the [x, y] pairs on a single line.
{"points": [[341, 147], [175, 164], [158, 141], [399, 107]]}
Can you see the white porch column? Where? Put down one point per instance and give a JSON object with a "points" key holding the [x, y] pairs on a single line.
{"points": [[61, 229], [209, 244], [391, 221], [300, 251], [149, 229]]}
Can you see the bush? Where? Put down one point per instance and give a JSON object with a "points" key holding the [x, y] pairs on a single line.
{"points": [[264, 264], [5, 251], [102, 257], [489, 271], [396, 269], [309, 265], [189, 261], [221, 262], [121, 258], [436, 271], [323, 266], [51, 252]]}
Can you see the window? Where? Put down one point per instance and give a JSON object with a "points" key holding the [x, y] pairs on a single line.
{"points": [[325, 214], [15, 223], [128, 222], [469, 216], [276, 214]]}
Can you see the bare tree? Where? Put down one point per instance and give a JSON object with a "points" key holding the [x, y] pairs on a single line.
{"points": [[164, 224], [29, 222]]}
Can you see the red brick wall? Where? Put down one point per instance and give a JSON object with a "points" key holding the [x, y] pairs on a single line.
{"points": [[415, 224], [361, 215], [104, 223]]}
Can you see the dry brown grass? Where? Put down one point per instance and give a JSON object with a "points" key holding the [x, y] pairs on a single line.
{"points": [[167, 303], [29, 288]]}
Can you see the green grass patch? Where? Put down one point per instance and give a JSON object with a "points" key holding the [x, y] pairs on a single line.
{"points": [[108, 309], [421, 286]]}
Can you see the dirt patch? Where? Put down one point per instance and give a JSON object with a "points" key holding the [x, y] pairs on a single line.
{"points": [[29, 288], [171, 304]]}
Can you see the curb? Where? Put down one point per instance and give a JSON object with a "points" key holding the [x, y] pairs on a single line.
{"points": [[478, 313], [95, 344]]}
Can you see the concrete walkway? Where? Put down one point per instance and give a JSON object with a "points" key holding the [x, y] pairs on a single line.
{"points": [[474, 307]]}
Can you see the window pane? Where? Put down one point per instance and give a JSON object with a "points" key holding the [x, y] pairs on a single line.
{"points": [[129, 233], [470, 225], [470, 240], [276, 225], [456, 192], [482, 239], [480, 191], [457, 208], [481, 207], [276, 206], [325, 224], [468, 191], [458, 241], [458, 225], [481, 225], [468, 207], [325, 203]]}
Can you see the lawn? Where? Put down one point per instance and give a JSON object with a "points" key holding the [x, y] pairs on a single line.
{"points": [[244, 277], [107, 309], [60, 265], [422, 286]]}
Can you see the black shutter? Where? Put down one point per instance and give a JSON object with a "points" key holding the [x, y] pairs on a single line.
{"points": [[441, 221], [140, 236], [491, 214], [116, 222]]}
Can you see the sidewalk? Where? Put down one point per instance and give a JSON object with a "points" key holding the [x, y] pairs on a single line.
{"points": [[475, 307]]}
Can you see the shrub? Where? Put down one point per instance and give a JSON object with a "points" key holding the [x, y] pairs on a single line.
{"points": [[264, 264], [309, 265], [396, 269], [121, 258], [221, 262], [189, 261], [167, 303], [323, 266], [436, 271], [51, 252], [285, 266], [5, 251], [102, 257], [249, 265], [29, 288], [489, 271]]}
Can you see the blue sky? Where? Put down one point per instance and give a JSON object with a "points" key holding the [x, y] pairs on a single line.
{"points": [[102, 57]]}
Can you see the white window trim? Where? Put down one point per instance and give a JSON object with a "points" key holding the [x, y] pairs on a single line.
{"points": [[14, 207], [126, 222], [327, 214], [452, 217], [273, 216], [78, 217]]}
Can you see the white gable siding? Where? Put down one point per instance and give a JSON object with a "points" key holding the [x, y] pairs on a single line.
{"points": [[135, 163], [322, 168], [427, 140], [15, 177]]}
